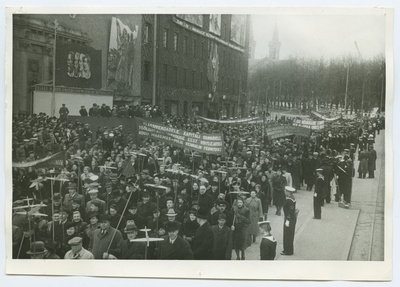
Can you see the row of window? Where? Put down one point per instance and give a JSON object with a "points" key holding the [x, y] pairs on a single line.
{"points": [[195, 49]]}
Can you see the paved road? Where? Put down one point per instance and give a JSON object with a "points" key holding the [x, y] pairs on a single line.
{"points": [[342, 234]]}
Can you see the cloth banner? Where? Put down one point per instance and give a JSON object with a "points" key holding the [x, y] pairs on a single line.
{"points": [[203, 143], [320, 116], [55, 160], [253, 120], [78, 66], [285, 131], [121, 56]]}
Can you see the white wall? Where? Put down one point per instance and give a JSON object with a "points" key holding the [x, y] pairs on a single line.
{"points": [[42, 102]]}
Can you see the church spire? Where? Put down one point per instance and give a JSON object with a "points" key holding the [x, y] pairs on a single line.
{"points": [[274, 45]]}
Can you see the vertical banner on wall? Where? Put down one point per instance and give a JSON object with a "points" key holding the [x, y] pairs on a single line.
{"points": [[120, 56], [213, 66], [215, 24], [238, 29], [78, 66]]}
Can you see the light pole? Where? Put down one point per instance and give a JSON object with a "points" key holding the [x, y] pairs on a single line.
{"points": [[53, 97]]}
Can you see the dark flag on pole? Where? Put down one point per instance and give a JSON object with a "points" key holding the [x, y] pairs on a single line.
{"points": [[78, 66]]}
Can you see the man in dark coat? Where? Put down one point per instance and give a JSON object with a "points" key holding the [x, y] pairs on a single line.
{"points": [[289, 223], [344, 174], [203, 242], [327, 173], [222, 239], [371, 161], [174, 247], [83, 112], [318, 193]]}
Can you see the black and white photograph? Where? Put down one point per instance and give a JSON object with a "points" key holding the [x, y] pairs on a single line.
{"points": [[200, 137]]}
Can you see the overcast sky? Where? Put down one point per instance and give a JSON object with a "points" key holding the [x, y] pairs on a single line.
{"points": [[320, 36]]}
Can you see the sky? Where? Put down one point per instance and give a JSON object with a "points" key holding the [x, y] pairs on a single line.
{"points": [[315, 36]]}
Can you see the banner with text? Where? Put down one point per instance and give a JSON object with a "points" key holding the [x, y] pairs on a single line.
{"points": [[253, 120], [56, 160], [204, 143], [286, 131]]}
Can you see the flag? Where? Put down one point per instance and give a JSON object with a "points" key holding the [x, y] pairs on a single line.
{"points": [[213, 66], [78, 66], [56, 160]]}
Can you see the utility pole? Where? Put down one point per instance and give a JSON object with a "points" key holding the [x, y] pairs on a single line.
{"points": [[347, 85], [53, 96], [154, 60], [240, 91]]}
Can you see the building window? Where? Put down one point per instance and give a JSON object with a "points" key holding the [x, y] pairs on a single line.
{"points": [[194, 48], [176, 42], [165, 38], [193, 80], [165, 74], [175, 76], [147, 70], [184, 78], [185, 41], [146, 34]]}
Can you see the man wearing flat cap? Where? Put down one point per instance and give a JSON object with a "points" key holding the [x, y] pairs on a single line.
{"points": [[222, 239], [77, 251], [105, 240]]}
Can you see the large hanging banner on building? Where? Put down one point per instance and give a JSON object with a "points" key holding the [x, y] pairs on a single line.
{"points": [[56, 160], [213, 67], [215, 24], [203, 143], [196, 19], [253, 120], [238, 29], [286, 131], [78, 66], [120, 56]]}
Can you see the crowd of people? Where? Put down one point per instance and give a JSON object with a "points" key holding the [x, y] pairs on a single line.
{"points": [[121, 111], [112, 195]]}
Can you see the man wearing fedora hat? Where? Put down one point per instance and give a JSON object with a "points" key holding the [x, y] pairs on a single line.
{"points": [[105, 240], [222, 239], [77, 251], [174, 246], [129, 249], [203, 242], [37, 250]]}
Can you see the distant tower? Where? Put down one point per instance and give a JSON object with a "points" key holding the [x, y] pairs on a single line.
{"points": [[274, 45]]}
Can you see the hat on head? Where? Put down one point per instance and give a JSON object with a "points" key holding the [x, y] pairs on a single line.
{"points": [[36, 247], [93, 191], [193, 211], [75, 241], [315, 153], [171, 212], [93, 214], [130, 228], [113, 176], [68, 225], [56, 197], [290, 189], [104, 217], [202, 214], [50, 245], [221, 202], [222, 216], [72, 185], [132, 206], [145, 194], [265, 223], [172, 226]]}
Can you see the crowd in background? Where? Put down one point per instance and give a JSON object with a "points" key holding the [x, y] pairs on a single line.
{"points": [[111, 187]]}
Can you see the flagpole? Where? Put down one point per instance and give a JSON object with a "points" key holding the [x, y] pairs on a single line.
{"points": [[53, 97]]}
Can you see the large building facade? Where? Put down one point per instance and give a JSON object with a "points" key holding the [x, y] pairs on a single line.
{"points": [[187, 64]]}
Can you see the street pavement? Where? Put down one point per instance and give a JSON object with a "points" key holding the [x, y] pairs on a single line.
{"points": [[331, 237]]}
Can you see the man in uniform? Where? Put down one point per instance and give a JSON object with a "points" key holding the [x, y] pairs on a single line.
{"points": [[344, 172], [268, 242], [63, 113], [83, 112], [289, 225], [371, 161], [319, 193]]}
